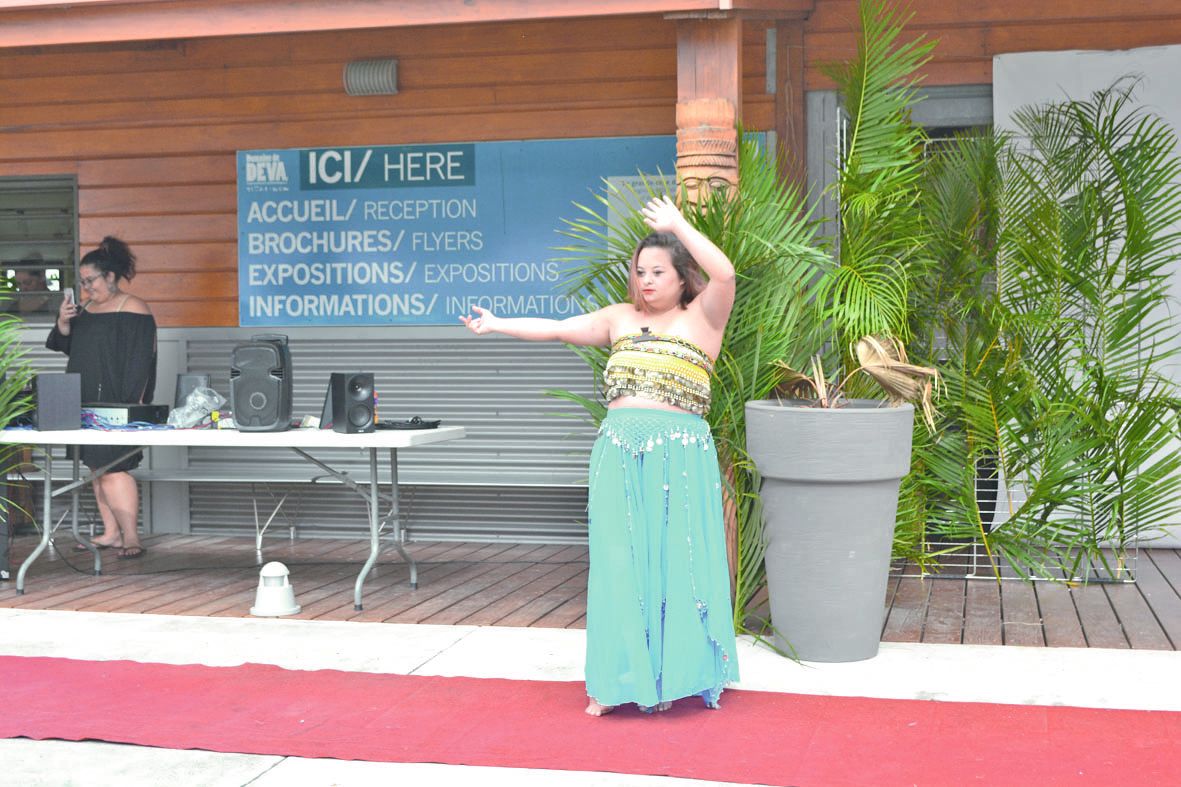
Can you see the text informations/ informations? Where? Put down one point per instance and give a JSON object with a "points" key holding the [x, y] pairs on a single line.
{"points": [[418, 234]]}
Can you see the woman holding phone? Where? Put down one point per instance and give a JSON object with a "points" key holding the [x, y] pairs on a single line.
{"points": [[110, 339]]}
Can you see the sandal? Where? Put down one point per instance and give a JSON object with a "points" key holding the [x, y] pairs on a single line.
{"points": [[130, 553]]}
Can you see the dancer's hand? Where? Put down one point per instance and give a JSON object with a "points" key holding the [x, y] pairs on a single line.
{"points": [[482, 323], [662, 215]]}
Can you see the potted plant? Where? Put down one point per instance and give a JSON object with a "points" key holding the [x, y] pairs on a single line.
{"points": [[831, 469], [831, 466]]}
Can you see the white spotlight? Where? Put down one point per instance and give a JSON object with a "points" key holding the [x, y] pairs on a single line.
{"points": [[275, 596]]}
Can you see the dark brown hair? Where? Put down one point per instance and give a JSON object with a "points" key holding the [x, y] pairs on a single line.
{"points": [[686, 267], [112, 256]]}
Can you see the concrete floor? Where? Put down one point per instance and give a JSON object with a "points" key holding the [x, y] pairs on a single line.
{"points": [[1034, 676]]}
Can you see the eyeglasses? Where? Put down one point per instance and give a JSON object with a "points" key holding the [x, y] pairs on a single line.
{"points": [[86, 281]]}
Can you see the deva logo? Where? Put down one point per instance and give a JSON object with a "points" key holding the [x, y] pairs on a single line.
{"points": [[265, 168]]}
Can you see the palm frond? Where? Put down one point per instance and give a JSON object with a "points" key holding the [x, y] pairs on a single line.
{"points": [[1056, 373], [15, 374]]}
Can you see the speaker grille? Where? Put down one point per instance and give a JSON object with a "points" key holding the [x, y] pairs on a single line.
{"points": [[353, 401], [260, 386]]}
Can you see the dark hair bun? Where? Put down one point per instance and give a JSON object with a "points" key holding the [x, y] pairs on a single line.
{"points": [[112, 256]]}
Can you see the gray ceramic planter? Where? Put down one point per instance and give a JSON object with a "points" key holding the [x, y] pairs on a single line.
{"points": [[830, 495]]}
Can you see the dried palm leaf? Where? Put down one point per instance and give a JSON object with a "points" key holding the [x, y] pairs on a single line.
{"points": [[884, 359], [881, 357]]}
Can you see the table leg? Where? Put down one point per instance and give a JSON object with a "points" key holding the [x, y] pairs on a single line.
{"points": [[396, 517], [74, 500], [373, 498], [46, 519], [374, 525]]}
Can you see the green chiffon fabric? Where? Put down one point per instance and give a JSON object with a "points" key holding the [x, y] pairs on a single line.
{"points": [[659, 624]]}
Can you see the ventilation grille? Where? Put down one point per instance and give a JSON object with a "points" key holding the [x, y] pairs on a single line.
{"points": [[371, 77]]}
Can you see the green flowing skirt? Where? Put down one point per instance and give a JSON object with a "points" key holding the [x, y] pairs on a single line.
{"points": [[659, 624]]}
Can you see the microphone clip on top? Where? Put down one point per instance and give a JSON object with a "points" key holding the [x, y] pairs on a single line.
{"points": [[645, 335]]}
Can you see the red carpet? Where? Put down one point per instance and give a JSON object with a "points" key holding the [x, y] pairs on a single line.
{"points": [[758, 737]]}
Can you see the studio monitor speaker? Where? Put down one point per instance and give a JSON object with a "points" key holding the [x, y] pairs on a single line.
{"points": [[353, 402], [57, 401], [260, 384]]}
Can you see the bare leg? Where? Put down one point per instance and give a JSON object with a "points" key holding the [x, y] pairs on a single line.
{"points": [[122, 497], [111, 537], [595, 709]]}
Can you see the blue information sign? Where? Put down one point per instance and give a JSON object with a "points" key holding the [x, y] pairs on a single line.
{"points": [[417, 234]]}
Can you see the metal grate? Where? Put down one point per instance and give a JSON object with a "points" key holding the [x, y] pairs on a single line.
{"points": [[971, 559]]}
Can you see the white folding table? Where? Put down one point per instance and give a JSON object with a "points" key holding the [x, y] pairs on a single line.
{"points": [[298, 440]]}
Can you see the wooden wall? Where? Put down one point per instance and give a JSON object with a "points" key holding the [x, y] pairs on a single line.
{"points": [[970, 32], [151, 130]]}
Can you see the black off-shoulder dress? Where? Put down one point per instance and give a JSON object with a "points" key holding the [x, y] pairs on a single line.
{"points": [[115, 353]]}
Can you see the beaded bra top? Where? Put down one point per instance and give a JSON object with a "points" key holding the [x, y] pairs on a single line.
{"points": [[662, 368]]}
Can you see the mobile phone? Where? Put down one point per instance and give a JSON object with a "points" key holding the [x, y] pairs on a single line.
{"points": [[69, 295]]}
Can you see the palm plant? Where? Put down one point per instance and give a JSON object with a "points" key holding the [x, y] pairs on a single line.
{"points": [[14, 377], [877, 188], [955, 319], [883, 239], [880, 235], [1057, 369], [765, 230]]}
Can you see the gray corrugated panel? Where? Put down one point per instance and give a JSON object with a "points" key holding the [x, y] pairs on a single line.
{"points": [[492, 387], [39, 358], [555, 515]]}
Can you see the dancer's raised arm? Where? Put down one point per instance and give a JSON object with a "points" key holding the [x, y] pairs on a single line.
{"points": [[717, 299]]}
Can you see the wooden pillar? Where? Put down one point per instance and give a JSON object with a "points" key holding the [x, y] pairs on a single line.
{"points": [[709, 102], [789, 101]]}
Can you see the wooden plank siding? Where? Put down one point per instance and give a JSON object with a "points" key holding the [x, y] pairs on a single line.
{"points": [[971, 32], [150, 129]]}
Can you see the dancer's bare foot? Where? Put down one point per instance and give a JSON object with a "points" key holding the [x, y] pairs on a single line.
{"points": [[595, 709], [659, 707]]}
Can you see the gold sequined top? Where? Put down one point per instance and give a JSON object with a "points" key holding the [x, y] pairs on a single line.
{"points": [[662, 368]]}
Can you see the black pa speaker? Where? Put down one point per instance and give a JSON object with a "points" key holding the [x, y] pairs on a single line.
{"points": [[353, 403], [260, 384], [57, 401]]}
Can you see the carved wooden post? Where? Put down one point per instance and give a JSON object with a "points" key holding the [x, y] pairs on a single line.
{"points": [[707, 146], [709, 98]]}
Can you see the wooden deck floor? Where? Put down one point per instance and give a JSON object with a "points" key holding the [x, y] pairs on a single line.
{"points": [[504, 584]]}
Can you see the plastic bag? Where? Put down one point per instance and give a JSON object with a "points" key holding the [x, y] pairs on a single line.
{"points": [[197, 407]]}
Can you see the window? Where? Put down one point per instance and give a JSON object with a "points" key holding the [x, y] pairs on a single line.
{"points": [[38, 239]]}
